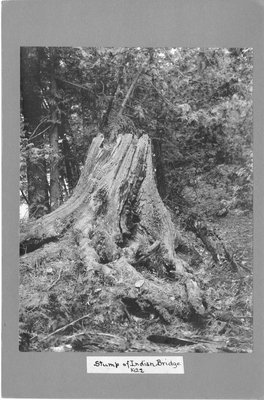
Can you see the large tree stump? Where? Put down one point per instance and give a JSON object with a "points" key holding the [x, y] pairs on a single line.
{"points": [[122, 230]]}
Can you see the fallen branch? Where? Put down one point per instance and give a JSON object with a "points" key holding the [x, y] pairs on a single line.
{"points": [[24, 196], [75, 85], [57, 280], [40, 133], [35, 130], [64, 327], [91, 333], [235, 266], [200, 229]]}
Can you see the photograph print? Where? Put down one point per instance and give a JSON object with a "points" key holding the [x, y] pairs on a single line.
{"points": [[136, 200]]}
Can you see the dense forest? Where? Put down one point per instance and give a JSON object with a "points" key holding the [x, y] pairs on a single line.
{"points": [[136, 199]]}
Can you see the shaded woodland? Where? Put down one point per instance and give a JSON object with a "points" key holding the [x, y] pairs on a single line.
{"points": [[136, 199]]}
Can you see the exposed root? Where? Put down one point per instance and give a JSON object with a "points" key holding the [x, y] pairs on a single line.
{"points": [[118, 239]]}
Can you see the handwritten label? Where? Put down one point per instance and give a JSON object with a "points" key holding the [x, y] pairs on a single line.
{"points": [[135, 365]]}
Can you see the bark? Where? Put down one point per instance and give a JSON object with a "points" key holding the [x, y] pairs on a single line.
{"points": [[122, 230], [38, 198], [157, 140], [105, 119], [54, 170], [54, 133], [54, 158], [157, 146], [68, 161], [69, 167]]}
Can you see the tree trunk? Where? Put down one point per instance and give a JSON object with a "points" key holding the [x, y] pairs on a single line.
{"points": [[105, 120], [31, 108], [69, 167], [157, 146], [54, 158], [122, 231]]}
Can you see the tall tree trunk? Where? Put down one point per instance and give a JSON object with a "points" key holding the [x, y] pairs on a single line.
{"points": [[54, 134], [157, 146], [70, 169], [68, 160], [105, 120], [122, 230], [54, 158], [38, 198], [158, 138]]}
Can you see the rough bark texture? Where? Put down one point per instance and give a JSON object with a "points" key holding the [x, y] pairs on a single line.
{"points": [[38, 199], [54, 159], [157, 146], [123, 231]]}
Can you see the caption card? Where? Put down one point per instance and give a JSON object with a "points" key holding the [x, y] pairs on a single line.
{"points": [[135, 365]]}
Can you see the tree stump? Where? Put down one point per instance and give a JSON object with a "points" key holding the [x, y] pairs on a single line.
{"points": [[122, 231]]}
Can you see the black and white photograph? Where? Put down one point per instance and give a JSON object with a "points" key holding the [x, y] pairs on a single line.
{"points": [[136, 199]]}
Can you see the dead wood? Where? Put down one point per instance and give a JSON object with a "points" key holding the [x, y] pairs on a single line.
{"points": [[123, 232]]}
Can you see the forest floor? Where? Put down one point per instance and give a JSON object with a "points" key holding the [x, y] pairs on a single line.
{"points": [[64, 309]]}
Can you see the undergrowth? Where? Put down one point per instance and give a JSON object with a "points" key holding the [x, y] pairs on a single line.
{"points": [[65, 308]]}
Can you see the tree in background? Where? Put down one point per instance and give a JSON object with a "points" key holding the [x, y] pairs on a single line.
{"points": [[162, 127], [32, 135], [196, 105]]}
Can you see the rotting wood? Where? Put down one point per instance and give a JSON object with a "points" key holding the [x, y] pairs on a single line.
{"points": [[118, 220]]}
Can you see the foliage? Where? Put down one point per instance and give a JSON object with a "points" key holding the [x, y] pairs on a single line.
{"points": [[196, 105], [202, 96]]}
